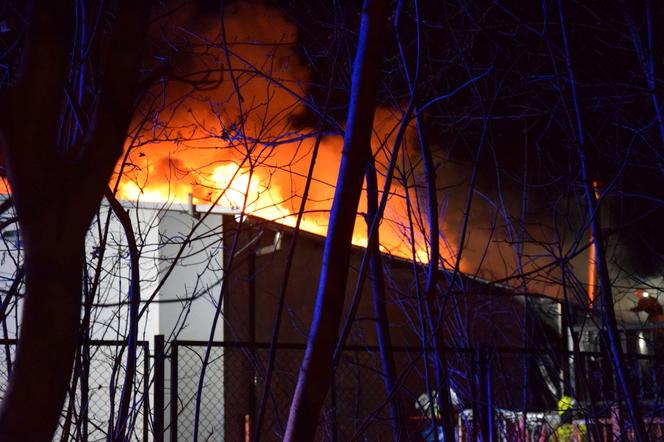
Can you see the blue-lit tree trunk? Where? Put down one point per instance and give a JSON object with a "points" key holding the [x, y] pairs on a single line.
{"points": [[377, 279], [57, 182], [442, 376], [316, 371]]}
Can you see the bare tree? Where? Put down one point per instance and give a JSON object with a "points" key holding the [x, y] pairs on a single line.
{"points": [[79, 152]]}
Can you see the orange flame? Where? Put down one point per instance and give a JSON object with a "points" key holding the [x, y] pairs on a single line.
{"points": [[258, 191]]}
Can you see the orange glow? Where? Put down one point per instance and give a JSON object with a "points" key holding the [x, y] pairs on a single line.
{"points": [[592, 251], [236, 144], [269, 191]]}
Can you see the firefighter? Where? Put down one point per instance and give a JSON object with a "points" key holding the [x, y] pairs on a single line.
{"points": [[568, 431]]}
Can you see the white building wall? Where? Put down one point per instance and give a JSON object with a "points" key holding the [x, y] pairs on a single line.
{"points": [[180, 274], [188, 299]]}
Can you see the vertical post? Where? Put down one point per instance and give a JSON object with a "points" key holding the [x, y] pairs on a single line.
{"points": [[474, 384], [158, 392], [592, 256], [247, 428], [489, 395], [609, 388], [251, 385], [333, 400], [251, 281], [85, 386], [146, 390], [633, 361], [481, 391], [174, 392], [565, 355], [592, 271], [485, 392]]}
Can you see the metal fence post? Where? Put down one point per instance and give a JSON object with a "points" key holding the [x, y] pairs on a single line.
{"points": [[158, 392], [481, 390], [146, 389], [85, 387], [475, 394], [333, 400], [174, 392], [487, 427], [491, 423]]}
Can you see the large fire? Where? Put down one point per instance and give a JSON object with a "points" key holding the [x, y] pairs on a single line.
{"points": [[235, 143], [240, 142], [260, 191]]}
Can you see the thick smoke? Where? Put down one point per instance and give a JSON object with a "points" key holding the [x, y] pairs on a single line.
{"points": [[227, 124]]}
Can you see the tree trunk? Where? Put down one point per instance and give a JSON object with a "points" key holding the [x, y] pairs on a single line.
{"points": [[49, 338], [443, 398], [380, 309], [121, 425], [57, 184], [316, 372]]}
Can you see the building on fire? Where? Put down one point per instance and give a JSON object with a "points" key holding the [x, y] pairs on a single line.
{"points": [[518, 341]]}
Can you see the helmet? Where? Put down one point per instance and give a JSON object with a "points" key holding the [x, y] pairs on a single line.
{"points": [[566, 403]]}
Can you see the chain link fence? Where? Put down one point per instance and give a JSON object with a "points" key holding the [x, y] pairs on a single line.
{"points": [[520, 389], [356, 405], [89, 414]]}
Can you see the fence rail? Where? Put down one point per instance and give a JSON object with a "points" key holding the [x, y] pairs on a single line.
{"points": [[508, 392]]}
